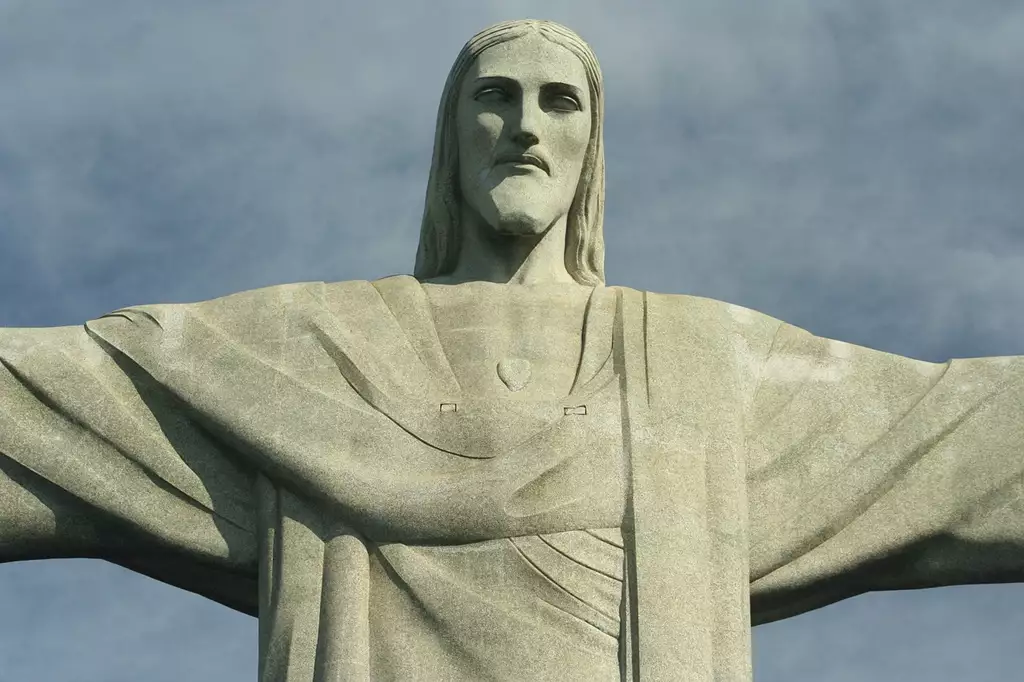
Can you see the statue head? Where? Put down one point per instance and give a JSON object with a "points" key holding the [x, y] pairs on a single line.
{"points": [[565, 179]]}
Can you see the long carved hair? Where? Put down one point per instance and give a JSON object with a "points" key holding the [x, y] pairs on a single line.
{"points": [[440, 232]]}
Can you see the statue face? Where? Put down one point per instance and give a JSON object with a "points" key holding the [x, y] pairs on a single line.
{"points": [[523, 123]]}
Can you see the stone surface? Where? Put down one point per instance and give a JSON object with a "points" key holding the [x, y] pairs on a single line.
{"points": [[502, 468]]}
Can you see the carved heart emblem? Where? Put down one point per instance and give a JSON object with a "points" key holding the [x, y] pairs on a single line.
{"points": [[514, 373]]}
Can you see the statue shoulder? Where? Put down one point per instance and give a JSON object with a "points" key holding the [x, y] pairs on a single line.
{"points": [[681, 311], [241, 304], [247, 314], [271, 306]]}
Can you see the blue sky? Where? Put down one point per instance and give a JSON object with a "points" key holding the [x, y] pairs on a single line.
{"points": [[854, 168]]}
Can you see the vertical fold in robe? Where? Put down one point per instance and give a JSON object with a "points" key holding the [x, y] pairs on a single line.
{"points": [[343, 651], [686, 520], [313, 595]]}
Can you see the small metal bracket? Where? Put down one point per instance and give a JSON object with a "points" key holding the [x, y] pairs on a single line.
{"points": [[579, 409]]}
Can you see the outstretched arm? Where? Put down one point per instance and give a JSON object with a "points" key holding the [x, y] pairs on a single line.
{"points": [[871, 471], [97, 461]]}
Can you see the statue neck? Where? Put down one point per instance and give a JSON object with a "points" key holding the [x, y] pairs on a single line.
{"points": [[488, 256]]}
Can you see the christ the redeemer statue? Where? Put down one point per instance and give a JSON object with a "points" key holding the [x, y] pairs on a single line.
{"points": [[499, 468]]}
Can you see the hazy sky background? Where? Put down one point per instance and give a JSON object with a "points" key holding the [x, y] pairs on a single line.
{"points": [[854, 168]]}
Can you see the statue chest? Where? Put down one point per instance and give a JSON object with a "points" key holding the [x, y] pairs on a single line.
{"points": [[474, 456], [511, 342]]}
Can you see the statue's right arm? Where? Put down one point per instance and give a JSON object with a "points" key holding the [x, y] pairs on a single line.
{"points": [[97, 461]]}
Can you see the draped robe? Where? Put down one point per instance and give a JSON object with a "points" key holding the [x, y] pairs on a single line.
{"points": [[303, 453]]}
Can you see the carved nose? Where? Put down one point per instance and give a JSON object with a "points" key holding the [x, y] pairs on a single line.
{"points": [[525, 139]]}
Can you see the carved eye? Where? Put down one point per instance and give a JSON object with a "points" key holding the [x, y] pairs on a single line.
{"points": [[491, 94], [567, 103]]}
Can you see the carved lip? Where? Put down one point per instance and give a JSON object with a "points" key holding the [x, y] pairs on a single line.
{"points": [[524, 158]]}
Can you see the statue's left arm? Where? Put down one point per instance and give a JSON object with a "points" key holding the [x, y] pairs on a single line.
{"points": [[870, 471]]}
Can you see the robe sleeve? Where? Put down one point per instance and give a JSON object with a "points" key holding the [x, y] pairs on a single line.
{"points": [[870, 471], [98, 461]]}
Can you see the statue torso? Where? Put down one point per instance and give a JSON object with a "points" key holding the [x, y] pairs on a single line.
{"points": [[578, 595]]}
